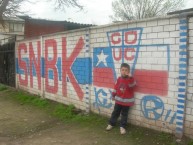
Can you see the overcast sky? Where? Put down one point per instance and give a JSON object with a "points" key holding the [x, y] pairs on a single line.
{"points": [[95, 11]]}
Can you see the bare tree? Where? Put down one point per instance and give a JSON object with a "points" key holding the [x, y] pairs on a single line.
{"points": [[62, 4], [9, 8], [137, 9]]}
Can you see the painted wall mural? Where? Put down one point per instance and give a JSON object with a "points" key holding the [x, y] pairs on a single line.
{"points": [[156, 112], [52, 67], [80, 67], [55, 64], [125, 46]]}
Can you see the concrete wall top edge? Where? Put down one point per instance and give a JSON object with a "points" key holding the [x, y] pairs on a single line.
{"points": [[137, 21], [57, 33], [28, 39], [113, 24]]}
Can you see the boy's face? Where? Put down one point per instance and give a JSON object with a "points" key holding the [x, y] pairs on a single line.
{"points": [[124, 71]]}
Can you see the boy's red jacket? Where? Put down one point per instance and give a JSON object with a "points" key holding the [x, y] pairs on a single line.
{"points": [[123, 92]]}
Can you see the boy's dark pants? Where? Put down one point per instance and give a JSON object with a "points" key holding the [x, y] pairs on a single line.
{"points": [[119, 109]]}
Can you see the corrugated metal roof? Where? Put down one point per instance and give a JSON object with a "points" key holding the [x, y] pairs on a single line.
{"points": [[53, 21], [181, 11], [13, 19]]}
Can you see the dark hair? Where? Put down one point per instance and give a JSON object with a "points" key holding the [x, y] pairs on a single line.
{"points": [[125, 65]]}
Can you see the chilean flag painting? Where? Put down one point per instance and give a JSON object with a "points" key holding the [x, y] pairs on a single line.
{"points": [[125, 46], [103, 68]]}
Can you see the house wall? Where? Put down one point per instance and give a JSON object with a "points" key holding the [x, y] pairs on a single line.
{"points": [[34, 28], [7, 35], [80, 67]]}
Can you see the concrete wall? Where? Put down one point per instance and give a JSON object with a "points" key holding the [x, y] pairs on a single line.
{"points": [[188, 125], [80, 67]]}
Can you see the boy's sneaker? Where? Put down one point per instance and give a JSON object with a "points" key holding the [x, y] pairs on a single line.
{"points": [[122, 130], [109, 127]]}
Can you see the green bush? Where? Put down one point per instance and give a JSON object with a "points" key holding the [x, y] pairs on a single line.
{"points": [[2, 87]]}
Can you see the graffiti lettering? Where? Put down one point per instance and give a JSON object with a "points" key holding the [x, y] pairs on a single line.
{"points": [[51, 65], [116, 35], [119, 52], [67, 64], [127, 51], [102, 99], [23, 64], [152, 107], [37, 64], [130, 37]]}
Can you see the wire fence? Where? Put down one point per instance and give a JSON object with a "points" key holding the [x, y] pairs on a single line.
{"points": [[8, 40]]}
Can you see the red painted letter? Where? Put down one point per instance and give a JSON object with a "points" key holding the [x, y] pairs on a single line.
{"points": [[66, 67], [51, 65], [131, 57], [36, 62], [117, 34], [22, 64], [131, 34], [120, 54]]}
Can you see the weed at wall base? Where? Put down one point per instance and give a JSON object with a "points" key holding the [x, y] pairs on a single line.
{"points": [[2, 87]]}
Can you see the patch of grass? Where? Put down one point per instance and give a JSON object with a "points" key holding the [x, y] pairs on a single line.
{"points": [[25, 98], [61, 111], [190, 143], [71, 114], [137, 133], [64, 112], [141, 135], [90, 119], [2, 87], [164, 137]]}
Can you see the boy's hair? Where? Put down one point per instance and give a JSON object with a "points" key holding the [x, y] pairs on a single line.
{"points": [[125, 65]]}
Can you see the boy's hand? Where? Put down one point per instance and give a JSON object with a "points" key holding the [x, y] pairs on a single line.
{"points": [[128, 74], [113, 98]]}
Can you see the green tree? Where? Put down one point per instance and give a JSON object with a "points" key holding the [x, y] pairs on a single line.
{"points": [[137, 9]]}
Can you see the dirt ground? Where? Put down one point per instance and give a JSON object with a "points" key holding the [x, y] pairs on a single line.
{"points": [[28, 125]]}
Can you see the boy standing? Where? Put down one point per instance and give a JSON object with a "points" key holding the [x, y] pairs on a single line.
{"points": [[124, 98]]}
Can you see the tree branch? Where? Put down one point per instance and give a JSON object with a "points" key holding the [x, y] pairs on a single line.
{"points": [[138, 9]]}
